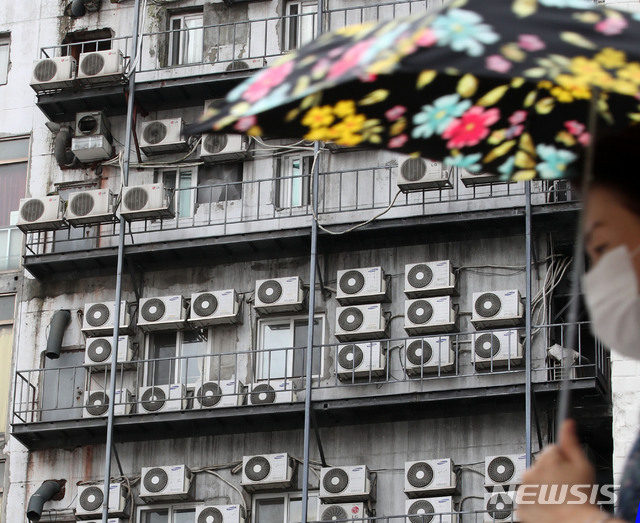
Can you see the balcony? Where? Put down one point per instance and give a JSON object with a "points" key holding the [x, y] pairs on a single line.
{"points": [[47, 412]]}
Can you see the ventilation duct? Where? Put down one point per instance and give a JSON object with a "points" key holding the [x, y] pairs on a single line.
{"points": [[62, 149], [58, 325], [45, 492], [80, 7]]}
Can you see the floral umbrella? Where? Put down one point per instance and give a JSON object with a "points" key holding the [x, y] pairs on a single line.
{"points": [[497, 86]]}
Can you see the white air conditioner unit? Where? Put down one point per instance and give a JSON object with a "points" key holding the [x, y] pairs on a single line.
{"points": [[88, 207], [471, 180], [500, 507], [220, 514], [91, 497], [222, 147], [140, 202], [101, 66], [416, 174], [53, 73], [429, 355], [99, 352], [40, 214], [272, 391], [96, 403], [340, 511], [497, 349], [110, 520], [165, 483], [360, 322], [350, 483], [360, 360], [497, 309], [279, 295], [429, 279], [245, 64], [98, 318], [218, 394], [163, 312], [431, 510], [162, 136], [430, 476], [504, 470], [428, 315], [366, 285], [266, 472], [162, 398], [214, 307]]}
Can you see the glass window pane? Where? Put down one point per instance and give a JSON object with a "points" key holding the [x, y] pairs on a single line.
{"points": [[17, 149], [269, 511], [6, 342], [184, 198], [162, 345], [4, 62], [13, 182], [175, 41], [4, 249], [300, 340], [15, 248], [274, 363], [220, 182], [155, 516], [193, 39], [7, 304], [185, 515], [194, 343]]}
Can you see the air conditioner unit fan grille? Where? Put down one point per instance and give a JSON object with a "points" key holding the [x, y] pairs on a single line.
{"points": [[333, 513], [335, 481], [419, 352], [350, 319], [215, 143], [87, 124], [420, 312], [237, 65], [82, 204], [92, 64], [419, 511], [351, 282], [210, 515], [97, 315], [45, 70], [350, 357], [420, 475], [91, 499], [487, 345], [420, 276], [488, 305], [413, 169], [97, 403], [136, 199], [153, 399], [205, 304], [153, 310], [263, 394], [32, 210], [99, 350], [501, 469], [154, 133], [156, 480], [500, 507], [257, 468], [209, 394], [270, 291]]}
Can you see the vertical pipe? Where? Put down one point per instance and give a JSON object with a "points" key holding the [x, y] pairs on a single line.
{"points": [[528, 345], [118, 298]]}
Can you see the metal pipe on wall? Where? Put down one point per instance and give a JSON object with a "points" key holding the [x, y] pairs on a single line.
{"points": [[528, 345]]}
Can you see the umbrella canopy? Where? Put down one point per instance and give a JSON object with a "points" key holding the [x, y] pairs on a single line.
{"points": [[493, 86]]}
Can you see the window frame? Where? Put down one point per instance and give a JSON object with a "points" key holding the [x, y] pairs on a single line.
{"points": [[285, 179], [177, 55], [206, 189], [287, 498], [171, 508], [292, 34], [192, 190], [5, 41]]}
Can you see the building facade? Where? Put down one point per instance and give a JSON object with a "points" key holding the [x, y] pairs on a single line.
{"points": [[419, 351]]}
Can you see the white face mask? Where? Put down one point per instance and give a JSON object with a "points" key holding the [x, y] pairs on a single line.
{"points": [[611, 295]]}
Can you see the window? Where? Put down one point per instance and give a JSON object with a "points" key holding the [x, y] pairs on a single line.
{"points": [[5, 40], [172, 514], [292, 186], [301, 23], [7, 304], [219, 182], [283, 508], [13, 182], [289, 334], [176, 354], [186, 38], [87, 41], [182, 181]]}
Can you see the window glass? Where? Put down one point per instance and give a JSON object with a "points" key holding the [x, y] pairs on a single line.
{"points": [[293, 181], [269, 511], [220, 182], [156, 516], [162, 345], [13, 183], [301, 23], [6, 343], [16, 149], [194, 343], [4, 59], [186, 515], [284, 508], [186, 38], [182, 201], [274, 363], [300, 340], [176, 354], [7, 304]]}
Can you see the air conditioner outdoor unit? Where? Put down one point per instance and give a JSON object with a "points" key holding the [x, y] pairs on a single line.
{"points": [[340, 511], [504, 471], [110, 520], [428, 315], [497, 349], [360, 360], [91, 497], [430, 355], [101, 66], [96, 403], [92, 140], [162, 136], [416, 174], [214, 307], [429, 279], [245, 64], [430, 476], [431, 510], [500, 507], [220, 514], [163, 312], [279, 295], [470, 179], [497, 309], [98, 318], [140, 202], [98, 351], [53, 73], [86, 207], [223, 147], [267, 471], [349, 483], [218, 394], [366, 285], [40, 214], [360, 322], [165, 483], [272, 391], [162, 398]]}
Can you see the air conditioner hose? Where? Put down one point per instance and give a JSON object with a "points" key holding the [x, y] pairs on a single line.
{"points": [[58, 325], [78, 7], [62, 148], [44, 493]]}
